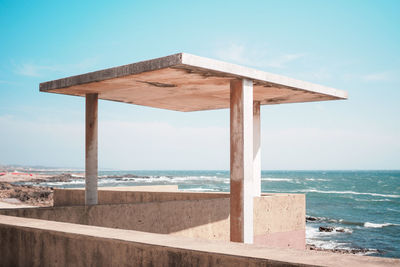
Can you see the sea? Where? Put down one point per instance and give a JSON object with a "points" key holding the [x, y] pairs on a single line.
{"points": [[362, 208]]}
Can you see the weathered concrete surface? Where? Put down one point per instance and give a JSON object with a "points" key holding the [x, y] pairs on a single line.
{"points": [[91, 147], [6, 205], [124, 195], [146, 188], [241, 163], [30, 242], [193, 218], [284, 212], [207, 217], [186, 82], [256, 149], [279, 220]]}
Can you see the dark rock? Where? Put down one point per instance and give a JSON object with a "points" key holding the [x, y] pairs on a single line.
{"points": [[311, 219], [65, 177], [326, 229]]}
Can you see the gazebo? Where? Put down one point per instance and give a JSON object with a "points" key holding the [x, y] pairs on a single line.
{"points": [[184, 82]]}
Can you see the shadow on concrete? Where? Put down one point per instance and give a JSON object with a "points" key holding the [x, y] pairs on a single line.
{"points": [[198, 218]]}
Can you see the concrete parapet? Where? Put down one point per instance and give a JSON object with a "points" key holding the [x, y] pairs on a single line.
{"points": [[32, 242], [133, 194], [279, 218]]}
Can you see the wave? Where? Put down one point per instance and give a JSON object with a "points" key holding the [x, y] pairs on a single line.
{"points": [[372, 200], [378, 225], [199, 189], [330, 220], [319, 240], [319, 179], [277, 179], [312, 219], [348, 192], [78, 176], [71, 182]]}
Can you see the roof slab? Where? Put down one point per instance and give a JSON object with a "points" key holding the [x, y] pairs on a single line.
{"points": [[185, 82]]}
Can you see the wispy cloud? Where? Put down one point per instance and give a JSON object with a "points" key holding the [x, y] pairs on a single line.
{"points": [[32, 69], [6, 82], [256, 55], [283, 60], [385, 76]]}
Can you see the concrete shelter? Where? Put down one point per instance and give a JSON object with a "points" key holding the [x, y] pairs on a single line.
{"points": [[185, 82]]}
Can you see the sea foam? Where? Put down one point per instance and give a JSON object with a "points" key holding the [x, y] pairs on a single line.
{"points": [[348, 192], [277, 179], [378, 225]]}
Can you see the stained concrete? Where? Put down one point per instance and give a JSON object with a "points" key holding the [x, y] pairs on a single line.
{"points": [[91, 149], [185, 82], [241, 162], [31, 242], [125, 195], [206, 217]]}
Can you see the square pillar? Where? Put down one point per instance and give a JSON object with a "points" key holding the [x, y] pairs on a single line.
{"points": [[241, 166], [256, 149], [91, 149]]}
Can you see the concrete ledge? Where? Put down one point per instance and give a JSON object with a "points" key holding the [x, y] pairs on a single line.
{"points": [[134, 194], [31, 242]]}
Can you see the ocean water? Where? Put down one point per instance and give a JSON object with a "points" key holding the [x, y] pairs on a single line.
{"points": [[362, 206]]}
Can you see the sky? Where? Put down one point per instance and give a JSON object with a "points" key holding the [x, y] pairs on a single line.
{"points": [[348, 45]]}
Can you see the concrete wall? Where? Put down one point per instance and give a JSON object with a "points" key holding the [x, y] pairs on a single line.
{"points": [[31, 242], [133, 194], [279, 218], [193, 218]]}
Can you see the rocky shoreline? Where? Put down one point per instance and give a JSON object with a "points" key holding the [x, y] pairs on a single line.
{"points": [[12, 192], [26, 194]]}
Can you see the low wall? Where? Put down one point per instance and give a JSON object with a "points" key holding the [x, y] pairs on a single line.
{"points": [[279, 219], [32, 242], [193, 218], [133, 194]]}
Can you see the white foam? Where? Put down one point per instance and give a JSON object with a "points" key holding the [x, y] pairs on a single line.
{"points": [[377, 225], [313, 237], [372, 200], [199, 189], [314, 233], [343, 230], [319, 179], [80, 181], [348, 192], [277, 179]]}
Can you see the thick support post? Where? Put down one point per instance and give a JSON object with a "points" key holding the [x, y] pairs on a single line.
{"points": [[241, 167], [256, 149], [91, 150]]}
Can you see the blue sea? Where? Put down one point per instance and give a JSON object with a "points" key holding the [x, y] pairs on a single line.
{"points": [[363, 207]]}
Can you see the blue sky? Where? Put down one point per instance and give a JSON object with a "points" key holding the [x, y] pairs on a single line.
{"points": [[349, 45]]}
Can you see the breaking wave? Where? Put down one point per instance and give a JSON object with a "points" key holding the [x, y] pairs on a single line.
{"points": [[348, 192], [378, 225]]}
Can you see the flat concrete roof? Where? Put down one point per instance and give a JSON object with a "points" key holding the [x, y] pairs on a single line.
{"points": [[186, 82]]}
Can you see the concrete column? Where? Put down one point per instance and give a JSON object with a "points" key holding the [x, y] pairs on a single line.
{"points": [[91, 150], [241, 180], [256, 149]]}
